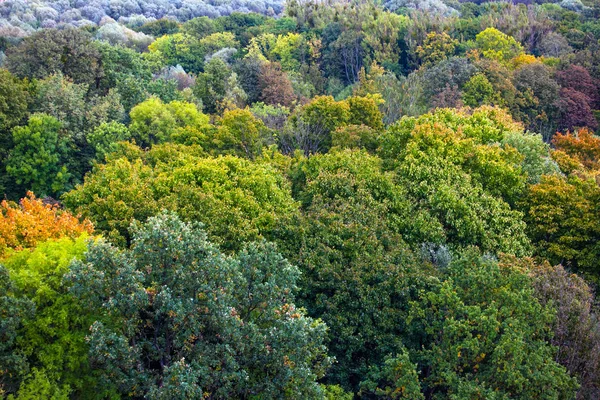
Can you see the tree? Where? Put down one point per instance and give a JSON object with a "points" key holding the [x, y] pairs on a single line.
{"points": [[481, 317], [537, 98], [105, 137], [582, 146], [561, 215], [578, 78], [357, 272], [574, 110], [479, 91], [53, 338], [452, 170], [240, 133], [455, 71], [188, 321], [310, 129], [497, 45], [236, 199], [154, 122], [435, 48], [275, 86], [38, 160], [49, 51], [179, 49], [14, 99], [217, 86], [14, 96], [365, 111], [576, 326], [32, 221]]}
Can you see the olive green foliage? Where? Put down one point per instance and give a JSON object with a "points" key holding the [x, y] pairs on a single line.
{"points": [[236, 199], [436, 47], [182, 320], [398, 378], [561, 215], [218, 87], [240, 133], [14, 95]]}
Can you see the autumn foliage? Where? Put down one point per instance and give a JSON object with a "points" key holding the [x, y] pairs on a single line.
{"points": [[32, 221]]}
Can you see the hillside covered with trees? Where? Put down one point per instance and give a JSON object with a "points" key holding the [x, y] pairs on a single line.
{"points": [[313, 200]]}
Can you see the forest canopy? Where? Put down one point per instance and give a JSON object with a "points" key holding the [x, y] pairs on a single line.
{"points": [[334, 199]]}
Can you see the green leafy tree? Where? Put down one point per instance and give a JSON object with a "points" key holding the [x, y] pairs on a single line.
{"points": [[49, 51], [497, 45], [562, 221], [154, 122], [453, 170], [104, 139], [357, 271], [483, 334], [53, 338], [435, 48], [396, 379], [365, 111], [237, 200], [310, 129], [240, 133], [479, 91], [14, 98], [181, 320], [38, 160], [179, 49], [217, 86]]}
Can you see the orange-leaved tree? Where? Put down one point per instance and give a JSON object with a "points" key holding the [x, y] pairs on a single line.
{"points": [[24, 225]]}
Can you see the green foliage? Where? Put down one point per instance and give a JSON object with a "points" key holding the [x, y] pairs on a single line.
{"points": [[453, 171], [179, 49], [497, 45], [39, 157], [53, 339], [561, 215], [14, 96], [479, 91], [237, 200], [218, 85], [13, 310], [355, 136], [357, 270], [536, 154], [482, 334], [365, 111], [240, 133], [400, 378], [50, 51], [154, 122], [181, 320], [104, 139], [436, 47]]}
